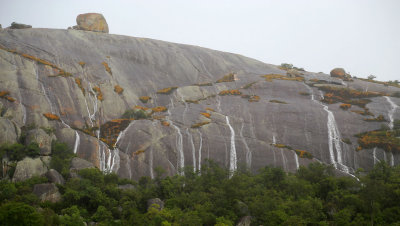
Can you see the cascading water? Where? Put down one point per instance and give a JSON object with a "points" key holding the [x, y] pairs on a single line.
{"points": [[284, 160], [248, 152], [232, 159], [200, 147], [391, 159], [190, 137], [179, 145], [296, 158], [374, 155], [391, 111], [334, 138], [77, 141], [151, 163]]}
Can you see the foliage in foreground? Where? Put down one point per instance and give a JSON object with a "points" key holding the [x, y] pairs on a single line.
{"points": [[312, 196]]}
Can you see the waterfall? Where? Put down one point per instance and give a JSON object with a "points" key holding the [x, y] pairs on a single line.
{"points": [[190, 137], [391, 159], [284, 161], [77, 141], [248, 152], [374, 155], [151, 163], [296, 159], [43, 89], [384, 156], [232, 159], [115, 161], [273, 139], [218, 103], [334, 137], [179, 145], [200, 147], [391, 111]]}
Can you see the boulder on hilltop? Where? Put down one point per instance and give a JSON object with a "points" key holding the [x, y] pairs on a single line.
{"points": [[339, 73], [15, 25], [91, 22]]}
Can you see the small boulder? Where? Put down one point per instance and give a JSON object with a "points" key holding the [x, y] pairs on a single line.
{"points": [[242, 208], [19, 26], [293, 73], [92, 22], [47, 192], [42, 139], [28, 168], [55, 177], [155, 203], [339, 73], [244, 221]]}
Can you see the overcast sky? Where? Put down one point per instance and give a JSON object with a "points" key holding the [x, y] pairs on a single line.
{"points": [[362, 36]]}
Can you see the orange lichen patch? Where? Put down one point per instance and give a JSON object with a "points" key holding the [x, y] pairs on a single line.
{"points": [[199, 124], [158, 117], [51, 116], [380, 118], [207, 115], [4, 93], [345, 106], [303, 154], [159, 109], [168, 90], [385, 139], [78, 81], [346, 95], [230, 92], [254, 98], [281, 146], [271, 77], [144, 99], [138, 152], [110, 130], [227, 78], [82, 63], [99, 94], [365, 112], [10, 99], [108, 69], [165, 123], [141, 108], [118, 89], [314, 80], [210, 109]]}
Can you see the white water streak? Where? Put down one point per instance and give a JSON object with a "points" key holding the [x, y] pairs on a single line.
{"points": [[391, 111], [233, 158], [296, 159], [284, 161], [77, 142], [248, 152], [190, 137], [200, 147], [374, 155], [179, 146], [151, 163], [391, 159]]}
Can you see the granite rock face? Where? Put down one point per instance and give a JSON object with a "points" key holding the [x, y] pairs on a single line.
{"points": [[47, 192], [191, 117], [91, 22], [55, 177]]}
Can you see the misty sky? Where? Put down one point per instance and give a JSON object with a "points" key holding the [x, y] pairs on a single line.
{"points": [[362, 36]]}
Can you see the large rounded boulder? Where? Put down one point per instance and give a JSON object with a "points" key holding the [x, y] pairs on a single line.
{"points": [[92, 22], [339, 73]]}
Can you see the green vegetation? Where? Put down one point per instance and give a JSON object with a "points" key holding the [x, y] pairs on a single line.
{"points": [[277, 102], [227, 78], [61, 157], [135, 114], [17, 152], [311, 196]]}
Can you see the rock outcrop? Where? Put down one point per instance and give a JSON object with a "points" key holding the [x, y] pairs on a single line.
{"points": [[8, 133], [91, 22], [259, 117], [244, 221], [29, 167], [339, 73], [42, 139], [79, 164], [55, 177], [155, 203], [47, 192], [15, 25]]}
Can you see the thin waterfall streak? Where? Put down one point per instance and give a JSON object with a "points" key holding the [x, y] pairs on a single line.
{"points": [[296, 159], [391, 111], [248, 152], [190, 137], [374, 155], [233, 158], [151, 163], [200, 147], [77, 142]]}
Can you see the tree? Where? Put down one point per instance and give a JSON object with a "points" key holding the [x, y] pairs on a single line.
{"points": [[371, 77], [16, 213]]}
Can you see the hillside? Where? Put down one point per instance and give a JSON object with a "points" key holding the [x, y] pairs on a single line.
{"points": [[129, 105]]}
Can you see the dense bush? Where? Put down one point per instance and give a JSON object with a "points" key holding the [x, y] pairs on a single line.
{"points": [[17, 152], [61, 157], [312, 196]]}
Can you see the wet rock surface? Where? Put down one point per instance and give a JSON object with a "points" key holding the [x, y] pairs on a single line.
{"points": [[29, 167], [73, 74], [47, 192]]}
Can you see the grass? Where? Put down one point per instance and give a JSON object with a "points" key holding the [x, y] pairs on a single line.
{"points": [[278, 101], [234, 92], [386, 139], [380, 118], [271, 77], [227, 78], [200, 124], [203, 84], [247, 86], [144, 99]]}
